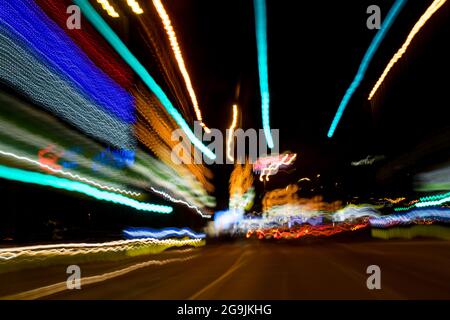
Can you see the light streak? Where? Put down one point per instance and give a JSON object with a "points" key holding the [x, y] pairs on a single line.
{"points": [[72, 249], [46, 41], [180, 183], [405, 208], [259, 223], [154, 129], [433, 203], [244, 201], [273, 167], [435, 197], [231, 134], [69, 174], [151, 32], [421, 230], [108, 8], [392, 14], [140, 233], [397, 56], [64, 184], [92, 43], [241, 179], [179, 57], [134, 5], [241, 188], [395, 200], [434, 180], [146, 171], [428, 201], [367, 161], [280, 198], [225, 219], [62, 286], [297, 232], [285, 202], [261, 43], [140, 70], [414, 216], [169, 197], [265, 162], [29, 76], [352, 212]]}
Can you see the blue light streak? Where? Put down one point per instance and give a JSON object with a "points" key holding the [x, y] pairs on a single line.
{"points": [[46, 41], [139, 233], [38, 82], [261, 42], [435, 215], [390, 18]]}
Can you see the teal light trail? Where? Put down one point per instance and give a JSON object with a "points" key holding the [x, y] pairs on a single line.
{"points": [[102, 27], [429, 201], [261, 43], [390, 18], [69, 185]]}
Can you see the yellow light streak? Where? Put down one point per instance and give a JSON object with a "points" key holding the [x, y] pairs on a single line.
{"points": [[179, 57], [108, 8], [419, 24], [231, 134], [397, 200], [72, 249], [134, 5]]}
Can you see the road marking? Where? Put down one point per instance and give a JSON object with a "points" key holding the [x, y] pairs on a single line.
{"points": [[233, 268], [62, 286]]}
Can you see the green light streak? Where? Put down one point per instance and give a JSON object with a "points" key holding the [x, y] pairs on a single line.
{"points": [[65, 184]]}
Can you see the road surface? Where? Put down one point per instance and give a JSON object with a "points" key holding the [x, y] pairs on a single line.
{"points": [[418, 269]]}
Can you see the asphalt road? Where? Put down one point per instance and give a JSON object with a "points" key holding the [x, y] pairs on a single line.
{"points": [[254, 270]]}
